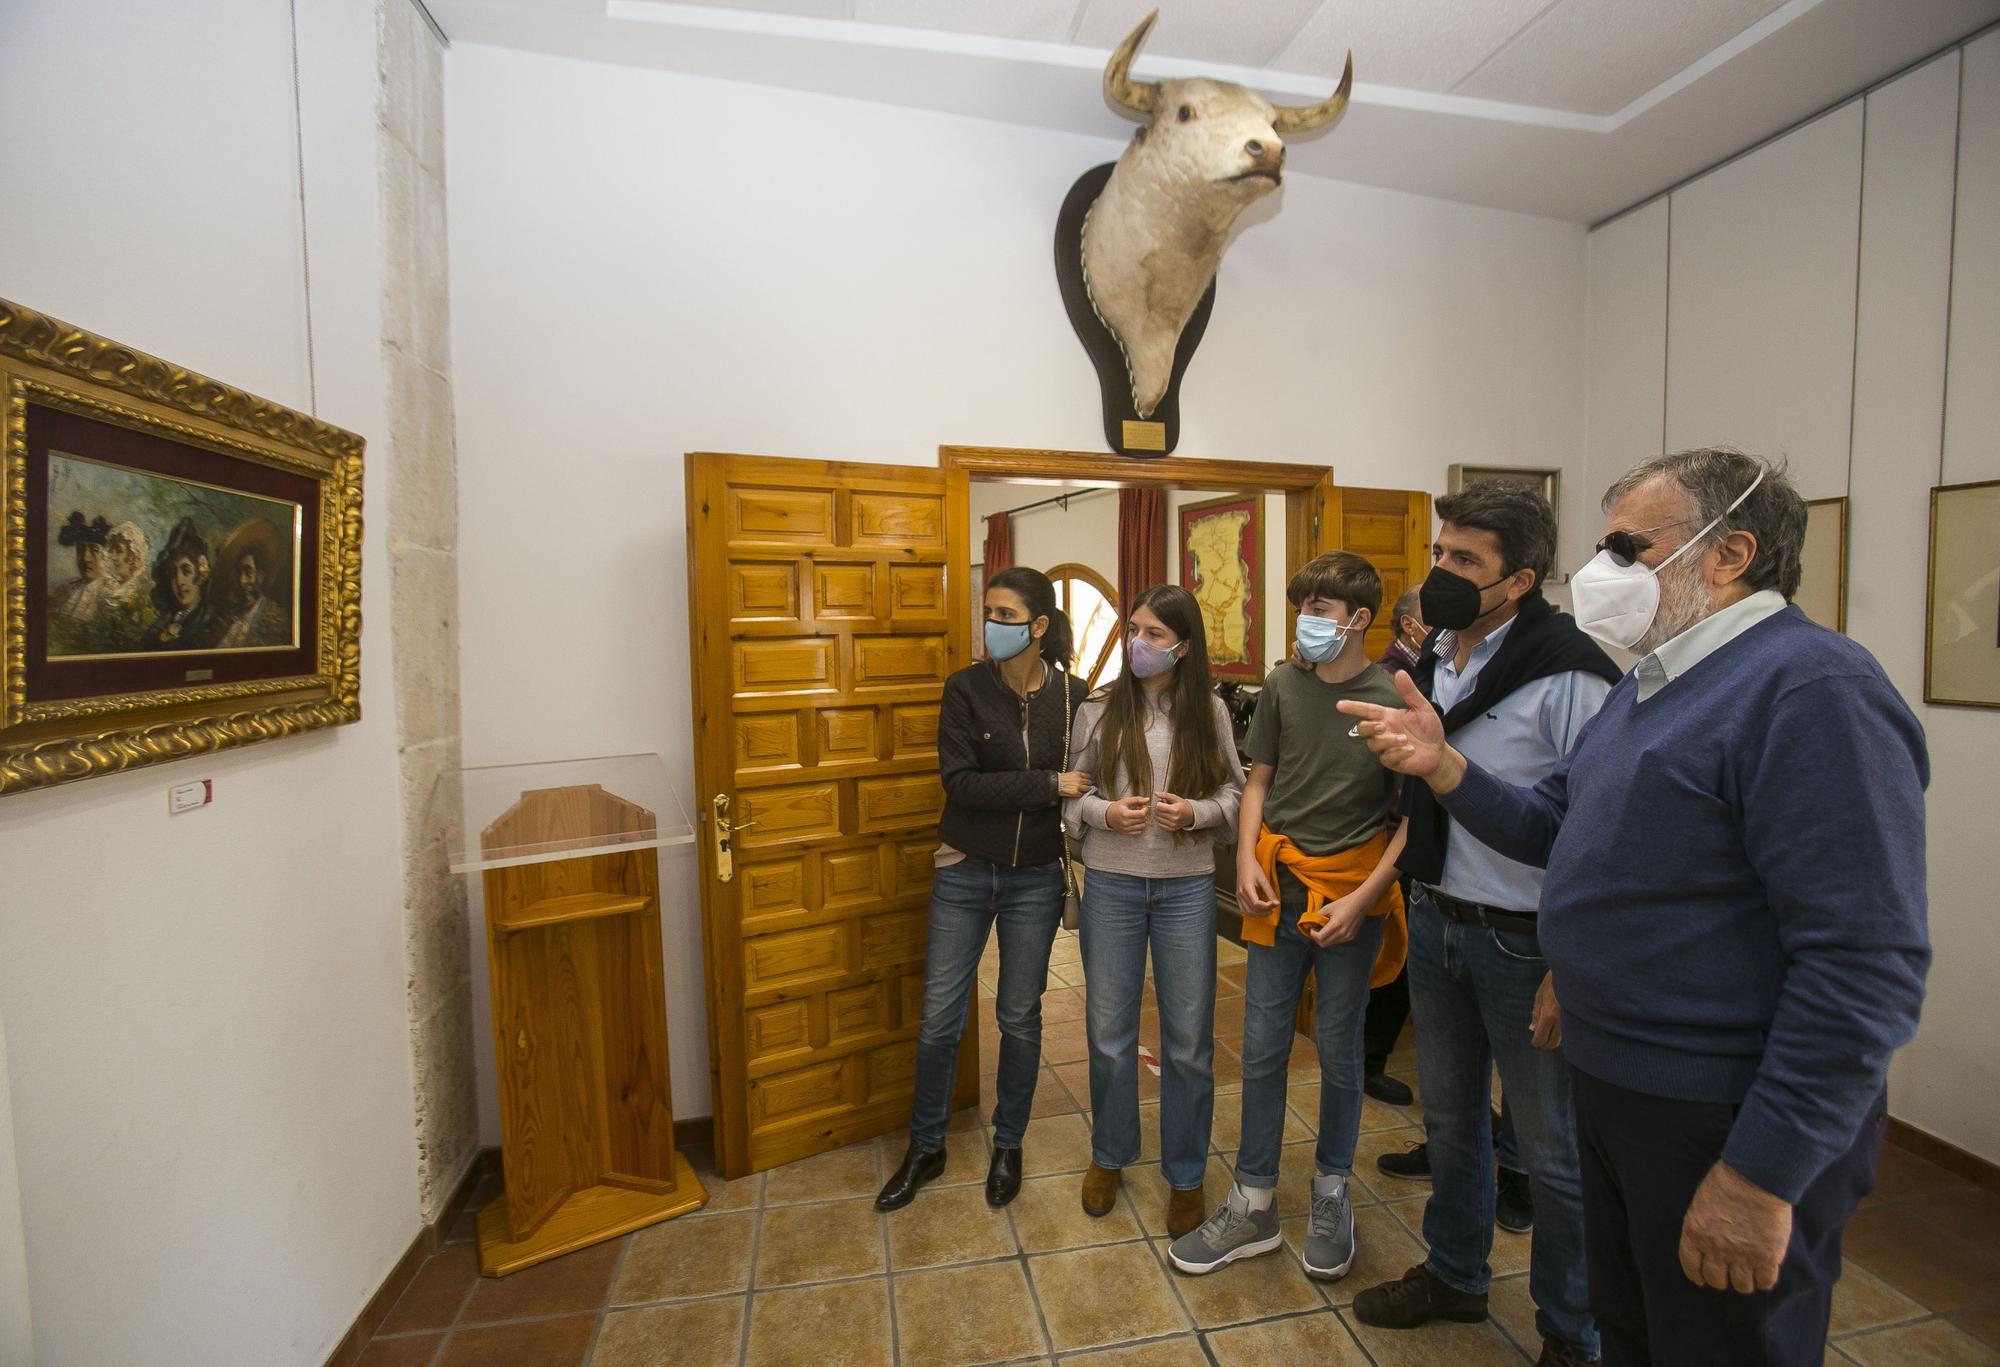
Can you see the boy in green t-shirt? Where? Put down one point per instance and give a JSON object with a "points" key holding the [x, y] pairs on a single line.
{"points": [[1314, 870]]}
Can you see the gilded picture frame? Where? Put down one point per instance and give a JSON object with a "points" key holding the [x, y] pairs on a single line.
{"points": [[1220, 542], [180, 561], [1962, 600]]}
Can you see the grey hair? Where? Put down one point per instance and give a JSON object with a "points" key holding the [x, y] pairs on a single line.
{"points": [[1713, 477], [1409, 605]]}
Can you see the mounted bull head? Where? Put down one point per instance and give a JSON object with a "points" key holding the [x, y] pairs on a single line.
{"points": [[1153, 239]]}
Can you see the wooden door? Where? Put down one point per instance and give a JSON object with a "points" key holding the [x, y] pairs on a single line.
{"points": [[826, 605], [1392, 529]]}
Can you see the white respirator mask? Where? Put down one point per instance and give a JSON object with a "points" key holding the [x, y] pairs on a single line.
{"points": [[1615, 597]]}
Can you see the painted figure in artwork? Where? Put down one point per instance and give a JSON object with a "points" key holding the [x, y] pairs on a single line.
{"points": [[76, 603], [251, 615], [180, 592]]}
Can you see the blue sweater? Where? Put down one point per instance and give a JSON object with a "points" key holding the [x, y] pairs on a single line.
{"points": [[1735, 904]]}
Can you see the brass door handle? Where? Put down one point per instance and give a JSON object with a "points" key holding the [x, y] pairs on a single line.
{"points": [[725, 859]]}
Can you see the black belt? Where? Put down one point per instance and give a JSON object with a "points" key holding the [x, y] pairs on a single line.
{"points": [[1517, 922]]}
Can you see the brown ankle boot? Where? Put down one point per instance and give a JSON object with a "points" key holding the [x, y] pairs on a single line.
{"points": [[1185, 1211], [1100, 1190]]}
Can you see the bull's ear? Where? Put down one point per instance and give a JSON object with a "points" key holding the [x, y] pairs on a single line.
{"points": [[1140, 97], [1305, 118]]}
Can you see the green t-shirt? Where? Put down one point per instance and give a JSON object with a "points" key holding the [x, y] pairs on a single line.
{"points": [[1330, 793]]}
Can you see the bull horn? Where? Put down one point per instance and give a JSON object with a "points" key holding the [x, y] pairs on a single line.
{"points": [[1305, 118], [1141, 97]]}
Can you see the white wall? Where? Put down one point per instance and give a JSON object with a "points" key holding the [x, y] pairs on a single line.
{"points": [[17, 1325], [1084, 533], [1814, 300], [207, 1044], [645, 264]]}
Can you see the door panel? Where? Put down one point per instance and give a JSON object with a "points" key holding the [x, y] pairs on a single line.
{"points": [[1392, 529], [822, 627]]}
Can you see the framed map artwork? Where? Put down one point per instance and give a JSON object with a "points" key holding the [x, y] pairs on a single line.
{"points": [[1222, 565]]}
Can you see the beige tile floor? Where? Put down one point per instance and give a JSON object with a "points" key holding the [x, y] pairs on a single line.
{"points": [[795, 1266]]}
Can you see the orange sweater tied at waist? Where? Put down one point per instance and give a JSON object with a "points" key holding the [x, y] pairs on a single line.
{"points": [[1328, 878]]}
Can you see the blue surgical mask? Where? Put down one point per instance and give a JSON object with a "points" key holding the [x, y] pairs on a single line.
{"points": [[1005, 640], [1320, 638], [1146, 660]]}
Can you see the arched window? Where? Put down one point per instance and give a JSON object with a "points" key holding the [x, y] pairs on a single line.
{"points": [[1092, 605]]}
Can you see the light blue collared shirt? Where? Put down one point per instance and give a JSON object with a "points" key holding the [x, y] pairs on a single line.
{"points": [[1677, 656], [1519, 739]]}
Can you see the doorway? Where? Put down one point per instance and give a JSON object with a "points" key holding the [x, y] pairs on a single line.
{"points": [[828, 601]]}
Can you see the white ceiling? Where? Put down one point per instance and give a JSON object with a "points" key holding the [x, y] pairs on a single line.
{"points": [[1568, 108]]}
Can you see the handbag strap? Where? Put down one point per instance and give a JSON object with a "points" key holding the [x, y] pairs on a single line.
{"points": [[1062, 826]]}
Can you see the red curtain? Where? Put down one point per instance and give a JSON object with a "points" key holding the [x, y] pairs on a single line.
{"points": [[1142, 544], [999, 544]]}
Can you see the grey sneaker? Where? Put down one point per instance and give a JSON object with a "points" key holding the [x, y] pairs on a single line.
{"points": [[1329, 1250], [1234, 1231]]}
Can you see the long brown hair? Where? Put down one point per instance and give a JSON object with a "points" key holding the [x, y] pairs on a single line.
{"points": [[1198, 766]]}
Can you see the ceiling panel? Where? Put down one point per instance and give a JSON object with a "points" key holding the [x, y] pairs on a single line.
{"points": [[1416, 44], [1041, 21], [1597, 56], [1238, 35], [812, 9]]}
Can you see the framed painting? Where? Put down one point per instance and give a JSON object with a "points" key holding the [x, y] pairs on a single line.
{"points": [[182, 561], [1962, 618], [1222, 565], [1544, 480], [1822, 593]]}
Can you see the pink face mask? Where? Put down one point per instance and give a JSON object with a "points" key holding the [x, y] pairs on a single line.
{"points": [[1147, 660]]}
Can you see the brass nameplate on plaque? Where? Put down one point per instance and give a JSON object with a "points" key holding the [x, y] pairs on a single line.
{"points": [[1145, 436], [200, 675]]}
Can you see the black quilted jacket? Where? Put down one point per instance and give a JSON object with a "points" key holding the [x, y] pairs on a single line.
{"points": [[999, 796]]}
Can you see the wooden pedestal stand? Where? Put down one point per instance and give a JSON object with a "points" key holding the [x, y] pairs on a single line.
{"points": [[580, 1034]]}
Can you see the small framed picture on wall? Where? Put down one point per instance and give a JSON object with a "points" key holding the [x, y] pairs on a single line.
{"points": [[1544, 480], [1962, 627], [1222, 565], [1822, 593]]}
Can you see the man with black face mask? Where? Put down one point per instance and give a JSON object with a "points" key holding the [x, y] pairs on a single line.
{"points": [[1515, 684]]}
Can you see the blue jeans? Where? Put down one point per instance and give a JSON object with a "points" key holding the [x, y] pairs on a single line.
{"points": [[1472, 996], [1271, 990], [1121, 915], [967, 898]]}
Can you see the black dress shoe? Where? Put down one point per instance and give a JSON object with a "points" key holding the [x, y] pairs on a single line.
{"points": [[919, 1167], [1413, 1165], [1513, 1203], [1003, 1178], [1388, 1090]]}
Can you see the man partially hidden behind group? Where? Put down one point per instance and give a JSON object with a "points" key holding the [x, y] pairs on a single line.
{"points": [[1733, 916]]}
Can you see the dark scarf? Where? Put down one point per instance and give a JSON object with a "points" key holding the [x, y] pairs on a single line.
{"points": [[1541, 642]]}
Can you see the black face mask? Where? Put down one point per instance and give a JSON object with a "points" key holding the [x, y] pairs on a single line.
{"points": [[1452, 601]]}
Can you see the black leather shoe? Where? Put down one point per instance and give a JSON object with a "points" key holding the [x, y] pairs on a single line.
{"points": [[1412, 1166], [1513, 1202], [919, 1167], [1003, 1178], [1388, 1090]]}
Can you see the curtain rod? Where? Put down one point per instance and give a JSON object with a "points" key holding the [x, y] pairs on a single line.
{"points": [[1045, 502]]}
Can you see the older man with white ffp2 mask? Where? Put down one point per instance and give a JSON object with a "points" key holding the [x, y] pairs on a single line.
{"points": [[1734, 915]]}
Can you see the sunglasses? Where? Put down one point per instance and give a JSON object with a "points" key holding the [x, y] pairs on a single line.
{"points": [[1626, 547]]}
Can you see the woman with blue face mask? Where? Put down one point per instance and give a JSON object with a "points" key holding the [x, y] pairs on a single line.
{"points": [[1003, 740], [1168, 780]]}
